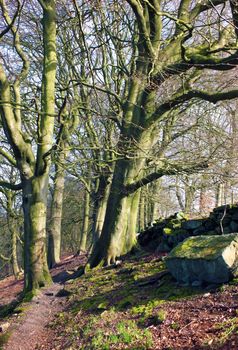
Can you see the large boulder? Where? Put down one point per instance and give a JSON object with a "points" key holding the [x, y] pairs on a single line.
{"points": [[209, 259]]}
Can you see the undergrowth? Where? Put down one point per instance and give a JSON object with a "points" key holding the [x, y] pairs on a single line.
{"points": [[110, 308]]}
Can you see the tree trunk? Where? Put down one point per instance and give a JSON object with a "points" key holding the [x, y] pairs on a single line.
{"points": [[179, 195], [54, 231], [219, 194], [100, 206], [146, 205], [34, 171], [119, 229], [132, 221], [34, 207], [189, 197], [83, 241], [15, 267], [142, 211], [155, 212], [12, 228]]}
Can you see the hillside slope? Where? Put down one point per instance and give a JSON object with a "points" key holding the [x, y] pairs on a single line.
{"points": [[137, 305]]}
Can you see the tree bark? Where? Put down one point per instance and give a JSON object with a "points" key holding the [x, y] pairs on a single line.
{"points": [[220, 194], [12, 228], [54, 230], [119, 229], [100, 206], [142, 211], [34, 207], [84, 236]]}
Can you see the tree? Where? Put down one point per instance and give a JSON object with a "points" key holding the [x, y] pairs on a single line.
{"points": [[171, 57], [33, 168], [68, 124]]}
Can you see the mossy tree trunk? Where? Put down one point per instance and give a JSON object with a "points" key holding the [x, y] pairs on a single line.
{"points": [[68, 125], [86, 215], [100, 198], [119, 230], [34, 208], [142, 211], [54, 229]]}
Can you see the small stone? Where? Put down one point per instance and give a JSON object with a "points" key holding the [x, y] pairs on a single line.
{"points": [[206, 295], [35, 300], [4, 327]]}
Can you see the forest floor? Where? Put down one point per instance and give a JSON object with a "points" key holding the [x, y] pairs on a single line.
{"points": [[135, 305]]}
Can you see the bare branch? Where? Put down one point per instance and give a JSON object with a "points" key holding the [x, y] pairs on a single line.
{"points": [[178, 99], [168, 170], [4, 258], [10, 186], [7, 156], [10, 25]]}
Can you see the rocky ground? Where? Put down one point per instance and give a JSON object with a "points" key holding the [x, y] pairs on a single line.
{"points": [[134, 305]]}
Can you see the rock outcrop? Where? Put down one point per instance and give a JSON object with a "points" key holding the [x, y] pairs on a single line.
{"points": [[165, 234], [205, 259]]}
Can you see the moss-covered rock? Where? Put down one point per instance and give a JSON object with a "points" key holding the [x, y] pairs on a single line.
{"points": [[211, 259]]}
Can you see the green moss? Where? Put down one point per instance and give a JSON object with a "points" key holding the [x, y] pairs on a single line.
{"points": [[7, 310], [174, 224], [103, 306], [126, 333], [167, 231], [234, 281], [4, 339], [207, 247], [175, 326], [21, 308], [182, 216], [29, 295], [146, 309], [161, 315]]}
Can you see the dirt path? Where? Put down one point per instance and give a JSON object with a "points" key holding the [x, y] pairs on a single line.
{"points": [[29, 332]]}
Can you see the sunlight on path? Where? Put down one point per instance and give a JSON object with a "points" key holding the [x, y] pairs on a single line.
{"points": [[29, 331]]}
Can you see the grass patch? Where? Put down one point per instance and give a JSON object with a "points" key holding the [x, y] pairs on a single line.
{"points": [[125, 333], [227, 328], [4, 339]]}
